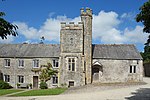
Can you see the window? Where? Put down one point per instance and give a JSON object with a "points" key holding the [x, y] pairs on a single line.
{"points": [[71, 64], [21, 63], [55, 80], [55, 63], [35, 63], [71, 39], [7, 62], [71, 83], [20, 79], [7, 78], [133, 69], [130, 69]]}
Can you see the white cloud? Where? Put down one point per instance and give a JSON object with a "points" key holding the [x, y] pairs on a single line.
{"points": [[105, 29], [136, 35], [130, 16], [8, 40], [28, 32], [50, 29]]}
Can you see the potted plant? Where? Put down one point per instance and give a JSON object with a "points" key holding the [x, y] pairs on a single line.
{"points": [[18, 84], [30, 86]]}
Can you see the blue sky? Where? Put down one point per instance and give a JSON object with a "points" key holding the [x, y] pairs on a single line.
{"points": [[113, 20]]}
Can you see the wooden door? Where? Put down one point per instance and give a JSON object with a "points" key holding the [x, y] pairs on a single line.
{"points": [[35, 82]]}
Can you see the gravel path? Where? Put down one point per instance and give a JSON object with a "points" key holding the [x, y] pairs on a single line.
{"points": [[101, 87], [112, 92]]}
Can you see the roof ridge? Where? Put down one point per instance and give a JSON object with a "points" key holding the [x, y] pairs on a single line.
{"points": [[114, 44], [28, 44]]}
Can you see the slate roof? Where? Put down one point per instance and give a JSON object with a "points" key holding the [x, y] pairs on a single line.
{"points": [[115, 51], [104, 51], [29, 50]]}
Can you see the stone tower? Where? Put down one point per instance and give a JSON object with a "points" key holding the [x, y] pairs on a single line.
{"points": [[86, 18], [76, 51], [71, 72]]}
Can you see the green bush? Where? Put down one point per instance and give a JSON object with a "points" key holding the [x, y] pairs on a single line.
{"points": [[43, 85], [4, 85]]}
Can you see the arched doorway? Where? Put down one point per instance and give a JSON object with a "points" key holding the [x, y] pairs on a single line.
{"points": [[97, 72]]}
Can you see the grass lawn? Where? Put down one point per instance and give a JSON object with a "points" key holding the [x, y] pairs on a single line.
{"points": [[8, 91], [41, 92]]}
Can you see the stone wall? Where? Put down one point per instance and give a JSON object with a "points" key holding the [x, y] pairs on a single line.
{"points": [[65, 75], [15, 70], [71, 38], [119, 70]]}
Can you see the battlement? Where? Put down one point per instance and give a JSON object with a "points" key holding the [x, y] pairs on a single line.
{"points": [[86, 12], [71, 25]]}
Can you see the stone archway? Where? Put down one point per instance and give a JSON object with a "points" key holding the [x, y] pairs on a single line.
{"points": [[97, 72]]}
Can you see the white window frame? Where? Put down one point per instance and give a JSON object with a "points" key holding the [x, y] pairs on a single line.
{"points": [[7, 78], [21, 63], [133, 69], [55, 63], [70, 63], [55, 80], [7, 62], [21, 79], [36, 63]]}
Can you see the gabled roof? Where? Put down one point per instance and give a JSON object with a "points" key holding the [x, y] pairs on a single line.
{"points": [[104, 51], [29, 50], [115, 51]]}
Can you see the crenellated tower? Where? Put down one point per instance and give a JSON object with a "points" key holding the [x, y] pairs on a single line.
{"points": [[76, 51], [71, 72]]}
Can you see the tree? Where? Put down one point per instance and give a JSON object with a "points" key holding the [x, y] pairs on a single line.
{"points": [[6, 28], [47, 72], [144, 17]]}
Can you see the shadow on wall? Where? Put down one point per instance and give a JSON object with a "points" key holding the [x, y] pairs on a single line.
{"points": [[141, 94], [147, 69]]}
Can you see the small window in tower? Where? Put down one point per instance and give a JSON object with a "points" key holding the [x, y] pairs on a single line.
{"points": [[73, 64], [71, 83], [69, 60], [71, 39]]}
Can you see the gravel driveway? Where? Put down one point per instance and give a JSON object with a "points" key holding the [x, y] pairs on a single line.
{"points": [[96, 92]]}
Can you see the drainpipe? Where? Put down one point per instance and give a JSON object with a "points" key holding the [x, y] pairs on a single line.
{"points": [[15, 72]]}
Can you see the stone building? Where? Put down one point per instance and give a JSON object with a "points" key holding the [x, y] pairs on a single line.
{"points": [[78, 61]]}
